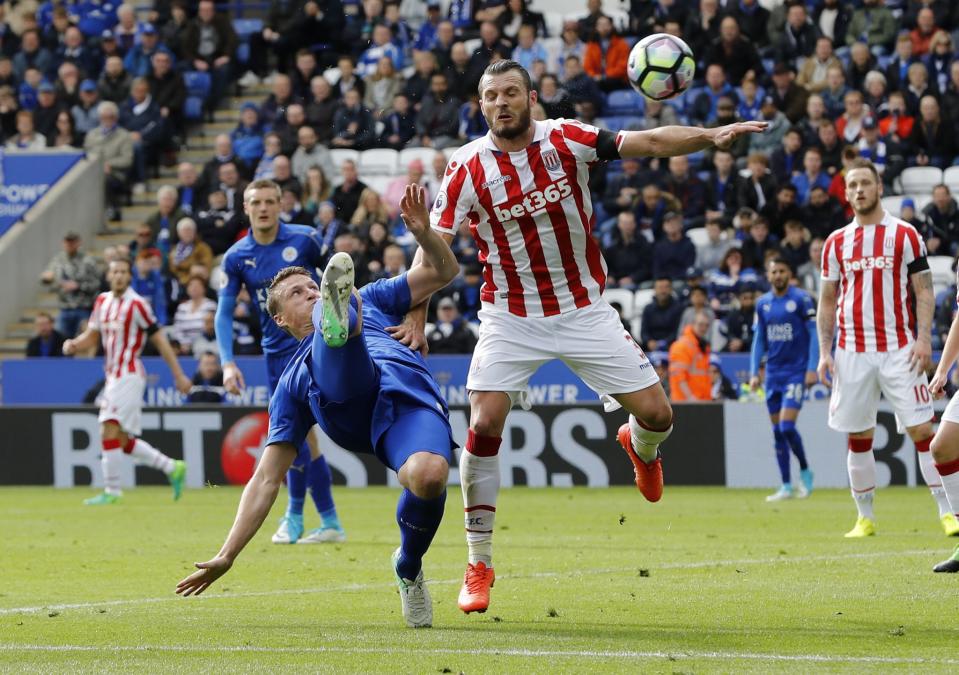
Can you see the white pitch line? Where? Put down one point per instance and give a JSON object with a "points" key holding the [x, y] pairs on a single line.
{"points": [[346, 588], [492, 651]]}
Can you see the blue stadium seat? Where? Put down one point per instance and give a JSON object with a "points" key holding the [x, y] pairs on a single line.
{"points": [[193, 108], [246, 27], [197, 83], [625, 102]]}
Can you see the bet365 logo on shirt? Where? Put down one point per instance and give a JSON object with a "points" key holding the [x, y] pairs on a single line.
{"points": [[880, 262], [534, 201]]}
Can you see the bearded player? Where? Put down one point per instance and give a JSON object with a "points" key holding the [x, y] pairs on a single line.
{"points": [[523, 190], [125, 322], [868, 268]]}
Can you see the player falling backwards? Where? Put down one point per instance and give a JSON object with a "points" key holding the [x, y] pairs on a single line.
{"points": [[523, 190], [125, 321], [867, 270], [253, 262], [785, 331], [367, 391]]}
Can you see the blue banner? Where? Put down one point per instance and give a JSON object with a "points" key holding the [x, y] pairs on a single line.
{"points": [[25, 177], [62, 381]]}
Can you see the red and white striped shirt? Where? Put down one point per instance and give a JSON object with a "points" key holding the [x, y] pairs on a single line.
{"points": [[874, 310], [123, 322], [531, 216]]}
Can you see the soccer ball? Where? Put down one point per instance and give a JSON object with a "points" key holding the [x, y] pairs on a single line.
{"points": [[660, 66]]}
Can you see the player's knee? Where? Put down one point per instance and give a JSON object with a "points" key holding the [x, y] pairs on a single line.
{"points": [[660, 416], [426, 474], [941, 450]]}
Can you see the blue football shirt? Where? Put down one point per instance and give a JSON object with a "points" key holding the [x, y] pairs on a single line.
{"points": [[783, 322]]}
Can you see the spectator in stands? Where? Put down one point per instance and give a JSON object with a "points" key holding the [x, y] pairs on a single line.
{"points": [[698, 301], [834, 94], [353, 126], [726, 113], [685, 186], [7, 78], [46, 341], [873, 24], [9, 38], [394, 263], [736, 54], [222, 154], [794, 248], [395, 189], [800, 34], [581, 86], [704, 107], [127, 28], [76, 54], [756, 190], [140, 115], [346, 196], [689, 378], [918, 87], [518, 14], [76, 279], [280, 37], [933, 137], [283, 175], [724, 282], [450, 334], [810, 274], [897, 69], [788, 96], [108, 46], [629, 257], [785, 207], [823, 214], [876, 93], [872, 147], [399, 124], [370, 209], [554, 99], [922, 35], [381, 45], [710, 254], [721, 197], [85, 111], [321, 110], [760, 240], [656, 114], [209, 45], [316, 189], [32, 54], [811, 176], [137, 60], [417, 85], [813, 74], [443, 47], [650, 210], [148, 281], [303, 73], [328, 226], [378, 239], [660, 323], [310, 153], [605, 56], [939, 61], [437, 119], [8, 113], [830, 147], [674, 253], [786, 161], [65, 134], [45, 114], [381, 87], [458, 74], [27, 137], [528, 49], [208, 378], [701, 27], [837, 188], [281, 96], [490, 44], [217, 224], [861, 63], [168, 90], [189, 195], [191, 314], [114, 83], [142, 239], [570, 45], [941, 222], [768, 142], [114, 144], [291, 210], [752, 19], [163, 222], [737, 327], [189, 250], [622, 191]]}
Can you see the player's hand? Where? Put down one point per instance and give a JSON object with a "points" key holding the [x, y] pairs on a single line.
{"points": [[754, 383], [811, 378], [726, 135], [411, 334], [826, 369], [233, 378], [920, 356], [199, 581], [183, 384], [69, 347], [413, 210], [937, 386]]}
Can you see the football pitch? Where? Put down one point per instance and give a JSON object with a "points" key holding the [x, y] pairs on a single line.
{"points": [[588, 580]]}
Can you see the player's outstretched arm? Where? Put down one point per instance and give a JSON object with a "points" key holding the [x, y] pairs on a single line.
{"points": [[920, 356], [163, 346], [676, 140], [84, 340], [826, 328], [436, 265], [255, 504]]}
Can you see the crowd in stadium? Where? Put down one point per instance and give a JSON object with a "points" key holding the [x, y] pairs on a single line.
{"points": [[835, 80]]}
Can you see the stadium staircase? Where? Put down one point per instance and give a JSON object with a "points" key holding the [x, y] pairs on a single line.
{"points": [[198, 149]]}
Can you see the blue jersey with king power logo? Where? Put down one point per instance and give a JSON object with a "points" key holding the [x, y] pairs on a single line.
{"points": [[254, 265], [783, 323]]}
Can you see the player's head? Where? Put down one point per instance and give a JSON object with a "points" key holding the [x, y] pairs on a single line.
{"points": [[290, 300], [507, 97], [261, 203], [863, 186], [779, 273], [119, 274]]}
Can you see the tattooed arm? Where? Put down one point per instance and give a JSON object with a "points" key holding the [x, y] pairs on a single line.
{"points": [[920, 355], [826, 328]]}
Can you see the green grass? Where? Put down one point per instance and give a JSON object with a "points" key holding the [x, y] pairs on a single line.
{"points": [[708, 580]]}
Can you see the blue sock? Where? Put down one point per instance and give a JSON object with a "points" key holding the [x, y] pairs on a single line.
{"points": [[782, 454], [296, 486], [791, 434], [418, 520], [321, 490]]}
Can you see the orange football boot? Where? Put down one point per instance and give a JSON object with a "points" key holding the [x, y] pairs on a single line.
{"points": [[474, 595], [649, 475]]}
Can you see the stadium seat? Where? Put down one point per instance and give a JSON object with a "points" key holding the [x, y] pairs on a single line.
{"points": [[625, 102], [698, 236], [951, 178], [378, 183], [246, 27], [942, 273], [198, 86], [378, 161], [622, 297], [920, 179], [893, 205], [340, 155], [554, 22], [407, 155]]}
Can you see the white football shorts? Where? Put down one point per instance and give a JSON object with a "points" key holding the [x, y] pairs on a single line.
{"points": [[122, 402], [590, 340], [951, 413], [862, 376]]}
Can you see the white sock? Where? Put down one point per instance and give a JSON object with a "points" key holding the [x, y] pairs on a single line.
{"points": [[950, 486], [146, 454], [479, 480], [646, 441], [927, 465], [862, 480], [111, 460]]}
